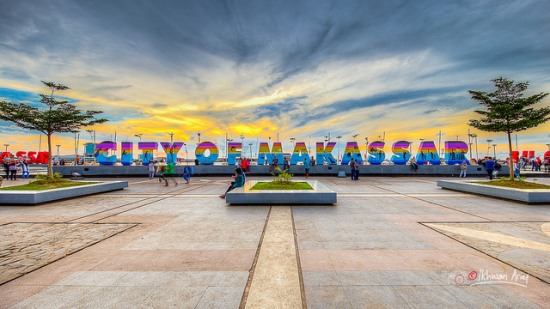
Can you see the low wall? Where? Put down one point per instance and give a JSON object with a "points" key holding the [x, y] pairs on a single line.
{"points": [[298, 170]]}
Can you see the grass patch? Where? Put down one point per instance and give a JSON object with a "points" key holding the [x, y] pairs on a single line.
{"points": [[281, 186], [515, 184], [43, 184]]}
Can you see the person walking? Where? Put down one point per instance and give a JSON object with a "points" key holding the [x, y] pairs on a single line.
{"points": [[169, 174], [463, 169], [489, 167], [238, 182], [186, 174], [306, 167]]}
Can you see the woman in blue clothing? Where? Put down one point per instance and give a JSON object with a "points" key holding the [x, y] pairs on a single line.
{"points": [[186, 174], [239, 181]]}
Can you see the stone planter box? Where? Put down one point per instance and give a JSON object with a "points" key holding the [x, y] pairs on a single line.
{"points": [[527, 196], [320, 195], [15, 197]]}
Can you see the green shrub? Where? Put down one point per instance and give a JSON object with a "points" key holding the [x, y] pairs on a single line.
{"points": [[283, 177]]}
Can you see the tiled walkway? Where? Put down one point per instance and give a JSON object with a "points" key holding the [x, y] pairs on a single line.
{"points": [[389, 242]]}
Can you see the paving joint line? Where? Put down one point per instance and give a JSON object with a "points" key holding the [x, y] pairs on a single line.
{"points": [[143, 200], [493, 257], [433, 203], [300, 273], [62, 257], [246, 291]]}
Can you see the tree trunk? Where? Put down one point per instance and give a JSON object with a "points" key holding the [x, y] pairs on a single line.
{"points": [[50, 165], [511, 159]]}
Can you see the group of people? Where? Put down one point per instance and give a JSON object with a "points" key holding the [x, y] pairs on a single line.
{"points": [[13, 165], [167, 171]]}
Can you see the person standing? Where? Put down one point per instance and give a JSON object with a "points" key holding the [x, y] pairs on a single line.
{"points": [[151, 167], [463, 169], [12, 166], [517, 169], [306, 167], [352, 168], [286, 166], [25, 169], [490, 167]]}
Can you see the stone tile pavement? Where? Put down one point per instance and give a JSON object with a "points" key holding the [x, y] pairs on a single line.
{"points": [[398, 242]]}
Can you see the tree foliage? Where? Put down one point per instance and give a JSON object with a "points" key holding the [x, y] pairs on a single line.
{"points": [[58, 117], [507, 110]]}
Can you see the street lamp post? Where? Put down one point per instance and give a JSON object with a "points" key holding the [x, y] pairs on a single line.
{"points": [[495, 151], [7, 145], [171, 137], [338, 146], [58, 150], [242, 144], [199, 135], [366, 148], [489, 147], [139, 136], [250, 147]]}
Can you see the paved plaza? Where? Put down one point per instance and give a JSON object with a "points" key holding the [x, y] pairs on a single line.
{"points": [[395, 242]]}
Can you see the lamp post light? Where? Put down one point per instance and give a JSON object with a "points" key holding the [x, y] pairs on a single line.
{"points": [[7, 145], [489, 147], [440, 134], [495, 151], [58, 150], [199, 135], [269, 142], [171, 137], [338, 146], [354, 136], [366, 148], [474, 136], [139, 136], [242, 144], [328, 138]]}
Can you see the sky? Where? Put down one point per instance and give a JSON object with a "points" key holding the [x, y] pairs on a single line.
{"points": [[279, 69]]}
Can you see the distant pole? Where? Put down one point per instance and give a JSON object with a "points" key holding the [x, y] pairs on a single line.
{"points": [[250, 147], [489, 147], [242, 144], [338, 146], [495, 151], [58, 149], [7, 145]]}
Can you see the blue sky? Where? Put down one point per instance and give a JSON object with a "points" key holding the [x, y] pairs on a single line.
{"points": [[298, 68]]}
